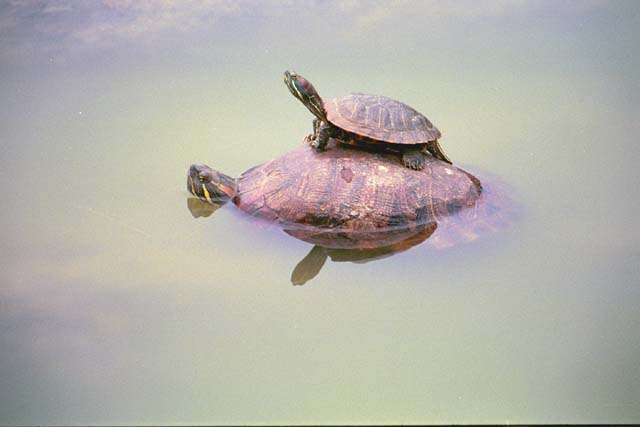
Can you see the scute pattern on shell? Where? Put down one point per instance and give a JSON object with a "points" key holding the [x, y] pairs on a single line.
{"points": [[353, 194], [380, 118]]}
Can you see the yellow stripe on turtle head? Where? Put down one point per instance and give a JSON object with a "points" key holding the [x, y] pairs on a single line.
{"points": [[193, 188], [206, 194]]}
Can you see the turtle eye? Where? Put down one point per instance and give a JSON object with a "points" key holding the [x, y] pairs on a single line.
{"points": [[202, 178]]}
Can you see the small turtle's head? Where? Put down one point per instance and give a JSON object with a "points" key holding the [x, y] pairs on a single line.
{"points": [[210, 186], [302, 89]]}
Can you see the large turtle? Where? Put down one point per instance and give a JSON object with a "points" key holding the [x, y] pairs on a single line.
{"points": [[368, 120], [350, 198]]}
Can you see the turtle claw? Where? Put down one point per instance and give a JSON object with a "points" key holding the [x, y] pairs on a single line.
{"points": [[316, 145], [413, 160], [313, 142]]}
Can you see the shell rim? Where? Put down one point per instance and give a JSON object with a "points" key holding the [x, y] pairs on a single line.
{"points": [[413, 137]]}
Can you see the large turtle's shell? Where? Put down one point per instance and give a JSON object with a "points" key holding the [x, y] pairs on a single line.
{"points": [[380, 118], [345, 197]]}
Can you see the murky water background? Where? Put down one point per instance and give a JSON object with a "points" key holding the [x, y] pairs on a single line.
{"points": [[117, 306]]}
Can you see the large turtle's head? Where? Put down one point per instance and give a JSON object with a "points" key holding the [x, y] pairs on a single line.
{"points": [[210, 186], [302, 89]]}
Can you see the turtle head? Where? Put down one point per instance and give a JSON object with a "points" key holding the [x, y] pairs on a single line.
{"points": [[302, 89], [210, 186]]}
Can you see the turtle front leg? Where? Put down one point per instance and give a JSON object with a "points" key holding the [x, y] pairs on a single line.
{"points": [[316, 127], [413, 159], [325, 132], [312, 137]]}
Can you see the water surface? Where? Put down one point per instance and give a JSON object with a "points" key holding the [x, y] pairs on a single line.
{"points": [[118, 306]]}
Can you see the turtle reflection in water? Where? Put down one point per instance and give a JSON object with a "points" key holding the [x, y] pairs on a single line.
{"points": [[356, 204]]}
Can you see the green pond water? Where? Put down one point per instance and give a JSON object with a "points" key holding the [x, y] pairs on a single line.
{"points": [[117, 306]]}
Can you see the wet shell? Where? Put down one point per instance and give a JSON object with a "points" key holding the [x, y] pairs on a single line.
{"points": [[345, 195], [380, 118]]}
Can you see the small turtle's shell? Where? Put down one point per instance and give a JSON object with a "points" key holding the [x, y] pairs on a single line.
{"points": [[380, 118], [346, 197]]}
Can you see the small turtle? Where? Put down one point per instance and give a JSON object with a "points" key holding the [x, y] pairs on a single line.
{"points": [[368, 120], [351, 198]]}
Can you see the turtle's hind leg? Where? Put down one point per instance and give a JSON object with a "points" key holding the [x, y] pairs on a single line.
{"points": [[435, 149], [413, 159]]}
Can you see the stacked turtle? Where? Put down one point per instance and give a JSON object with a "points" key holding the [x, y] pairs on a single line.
{"points": [[368, 121], [350, 191]]}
